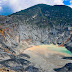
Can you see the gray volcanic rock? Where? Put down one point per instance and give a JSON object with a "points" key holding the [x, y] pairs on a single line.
{"points": [[39, 24], [66, 68], [18, 65], [44, 23], [31, 69]]}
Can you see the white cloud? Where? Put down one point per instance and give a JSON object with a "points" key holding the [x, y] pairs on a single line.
{"points": [[70, 6], [3, 2], [0, 2], [71, 2], [0, 8], [18, 5], [59, 2]]}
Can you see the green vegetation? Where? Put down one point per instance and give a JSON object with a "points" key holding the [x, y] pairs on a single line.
{"points": [[47, 16]]}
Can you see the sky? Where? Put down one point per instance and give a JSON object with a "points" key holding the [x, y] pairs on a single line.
{"points": [[11, 6]]}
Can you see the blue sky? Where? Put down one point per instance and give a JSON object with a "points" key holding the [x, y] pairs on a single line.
{"points": [[11, 6], [66, 2]]}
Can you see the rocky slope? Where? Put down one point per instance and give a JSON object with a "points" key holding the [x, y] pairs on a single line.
{"points": [[44, 23], [40, 23], [37, 25]]}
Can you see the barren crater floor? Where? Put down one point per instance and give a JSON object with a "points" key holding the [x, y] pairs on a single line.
{"points": [[48, 57]]}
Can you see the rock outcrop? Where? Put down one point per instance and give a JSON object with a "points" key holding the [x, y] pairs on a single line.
{"points": [[37, 25]]}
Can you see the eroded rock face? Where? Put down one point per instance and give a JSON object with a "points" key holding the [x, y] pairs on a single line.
{"points": [[6, 70], [40, 24], [18, 64], [66, 68]]}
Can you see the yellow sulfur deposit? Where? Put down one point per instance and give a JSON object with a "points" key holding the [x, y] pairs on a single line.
{"points": [[6, 70], [2, 33], [52, 49]]}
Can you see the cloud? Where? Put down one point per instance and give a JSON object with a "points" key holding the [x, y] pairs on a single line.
{"points": [[18, 5], [71, 2], [0, 8], [2, 2], [70, 6], [59, 2]]}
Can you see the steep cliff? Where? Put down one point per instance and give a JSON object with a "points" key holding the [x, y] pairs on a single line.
{"points": [[39, 24], [44, 23]]}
